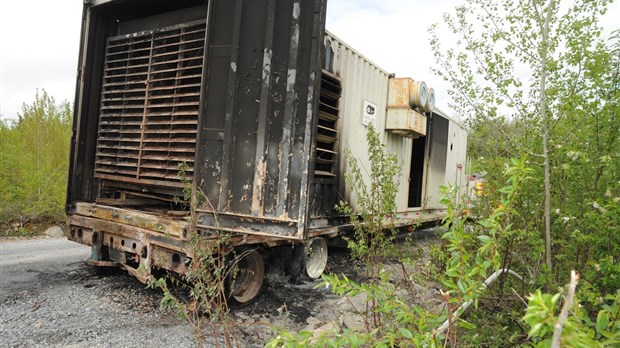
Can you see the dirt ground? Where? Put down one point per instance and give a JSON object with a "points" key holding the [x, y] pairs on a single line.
{"points": [[56, 299]]}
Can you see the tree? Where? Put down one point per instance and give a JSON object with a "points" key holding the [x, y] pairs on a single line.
{"points": [[534, 64], [34, 157]]}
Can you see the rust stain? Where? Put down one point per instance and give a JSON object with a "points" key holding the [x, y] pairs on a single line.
{"points": [[259, 183]]}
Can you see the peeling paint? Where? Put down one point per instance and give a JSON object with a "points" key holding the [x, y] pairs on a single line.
{"points": [[259, 179]]}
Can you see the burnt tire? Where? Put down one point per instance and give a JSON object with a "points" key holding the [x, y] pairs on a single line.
{"points": [[246, 277]]}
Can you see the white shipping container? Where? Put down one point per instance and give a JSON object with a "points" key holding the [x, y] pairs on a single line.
{"points": [[430, 146]]}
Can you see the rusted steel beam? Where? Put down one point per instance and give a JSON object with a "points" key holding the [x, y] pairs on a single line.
{"points": [[144, 278], [154, 223]]}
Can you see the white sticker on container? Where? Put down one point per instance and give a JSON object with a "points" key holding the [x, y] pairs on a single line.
{"points": [[369, 113]]}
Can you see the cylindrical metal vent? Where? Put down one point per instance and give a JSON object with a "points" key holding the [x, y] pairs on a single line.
{"points": [[430, 101], [418, 94]]}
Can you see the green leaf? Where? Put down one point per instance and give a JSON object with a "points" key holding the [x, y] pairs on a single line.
{"points": [[452, 273], [467, 325], [602, 320], [555, 298], [461, 286], [406, 333], [484, 238], [535, 328]]}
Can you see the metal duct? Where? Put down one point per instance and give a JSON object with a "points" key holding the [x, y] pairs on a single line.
{"points": [[418, 94], [430, 101]]}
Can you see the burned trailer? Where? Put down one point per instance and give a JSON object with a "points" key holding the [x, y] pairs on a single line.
{"points": [[197, 118]]}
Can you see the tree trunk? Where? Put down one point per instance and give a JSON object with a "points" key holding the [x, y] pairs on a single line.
{"points": [[545, 132], [546, 169]]}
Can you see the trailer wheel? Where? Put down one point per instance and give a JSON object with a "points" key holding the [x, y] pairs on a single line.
{"points": [[316, 257], [247, 277]]}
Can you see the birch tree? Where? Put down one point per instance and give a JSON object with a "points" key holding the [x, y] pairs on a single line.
{"points": [[521, 67]]}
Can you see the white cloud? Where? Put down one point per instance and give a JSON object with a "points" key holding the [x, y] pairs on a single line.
{"points": [[393, 34], [39, 42]]}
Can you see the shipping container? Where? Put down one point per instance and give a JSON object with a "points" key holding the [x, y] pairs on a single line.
{"points": [[197, 118], [431, 146]]}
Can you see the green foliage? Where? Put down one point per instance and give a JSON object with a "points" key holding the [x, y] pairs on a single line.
{"points": [[375, 196], [389, 320], [537, 79], [475, 249], [579, 330], [402, 325], [34, 157], [207, 284], [210, 275]]}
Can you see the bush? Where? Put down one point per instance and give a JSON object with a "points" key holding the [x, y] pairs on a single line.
{"points": [[34, 158]]}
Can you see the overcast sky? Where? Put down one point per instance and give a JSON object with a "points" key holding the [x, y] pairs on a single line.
{"points": [[39, 42]]}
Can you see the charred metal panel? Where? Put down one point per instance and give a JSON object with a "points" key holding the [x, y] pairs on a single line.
{"points": [[256, 131], [102, 20], [149, 105], [325, 184]]}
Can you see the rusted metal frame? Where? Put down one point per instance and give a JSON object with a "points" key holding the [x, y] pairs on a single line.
{"points": [[175, 99], [267, 232], [247, 217], [114, 149], [87, 115], [249, 224], [229, 143], [138, 275], [328, 232], [241, 238], [311, 118], [145, 111], [140, 181], [126, 202], [152, 32], [154, 192], [165, 258], [200, 136], [153, 197], [260, 162], [290, 110], [427, 160], [120, 113], [145, 236], [134, 218]]}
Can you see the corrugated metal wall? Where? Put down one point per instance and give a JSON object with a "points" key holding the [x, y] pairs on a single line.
{"points": [[362, 81], [258, 115]]}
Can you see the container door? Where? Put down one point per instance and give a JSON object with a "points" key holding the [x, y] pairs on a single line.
{"points": [[254, 162], [438, 153]]}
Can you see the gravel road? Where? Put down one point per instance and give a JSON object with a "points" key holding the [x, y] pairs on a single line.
{"points": [[50, 297]]}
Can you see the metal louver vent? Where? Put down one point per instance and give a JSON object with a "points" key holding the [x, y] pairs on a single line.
{"points": [[149, 105], [327, 134]]}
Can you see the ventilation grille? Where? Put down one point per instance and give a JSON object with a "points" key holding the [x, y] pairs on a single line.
{"points": [[327, 134], [149, 106]]}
